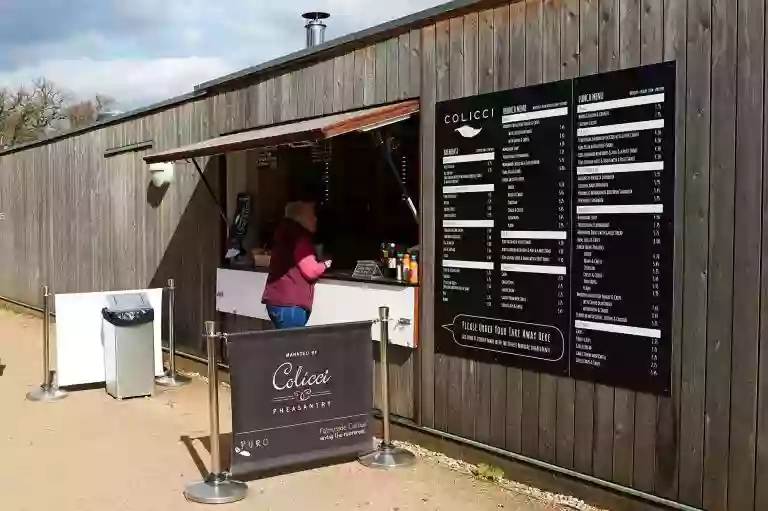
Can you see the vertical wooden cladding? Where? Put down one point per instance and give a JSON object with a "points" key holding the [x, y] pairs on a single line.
{"points": [[534, 10], [457, 414], [566, 387], [548, 384], [383, 72], [705, 445], [721, 231], [607, 60], [469, 395], [747, 253], [440, 92], [646, 405], [98, 225], [512, 72], [584, 417], [761, 433], [22, 201], [432, 396], [360, 75], [490, 395], [625, 400]]}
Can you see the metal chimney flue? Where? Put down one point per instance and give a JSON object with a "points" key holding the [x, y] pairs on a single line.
{"points": [[315, 27]]}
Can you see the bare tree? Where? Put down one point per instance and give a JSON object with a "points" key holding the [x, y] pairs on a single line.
{"points": [[86, 112], [31, 112]]}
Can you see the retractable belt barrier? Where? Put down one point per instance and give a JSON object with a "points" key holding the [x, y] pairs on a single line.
{"points": [[298, 396], [48, 390]]}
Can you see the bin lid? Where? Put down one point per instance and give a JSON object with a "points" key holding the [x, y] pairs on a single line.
{"points": [[127, 302], [128, 309]]}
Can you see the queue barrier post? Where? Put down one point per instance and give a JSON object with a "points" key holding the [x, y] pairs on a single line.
{"points": [[217, 487], [387, 455], [47, 391], [171, 378]]}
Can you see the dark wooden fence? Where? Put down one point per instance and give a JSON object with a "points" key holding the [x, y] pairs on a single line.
{"points": [[80, 222]]}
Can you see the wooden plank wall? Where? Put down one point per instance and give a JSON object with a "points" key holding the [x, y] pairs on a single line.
{"points": [[382, 73], [79, 222], [704, 446], [73, 217]]}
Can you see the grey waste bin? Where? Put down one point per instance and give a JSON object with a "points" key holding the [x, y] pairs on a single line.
{"points": [[128, 335]]}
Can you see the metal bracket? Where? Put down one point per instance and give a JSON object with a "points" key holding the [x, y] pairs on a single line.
{"points": [[210, 191], [386, 153]]}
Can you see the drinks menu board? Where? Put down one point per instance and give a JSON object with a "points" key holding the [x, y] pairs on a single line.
{"points": [[554, 227]]}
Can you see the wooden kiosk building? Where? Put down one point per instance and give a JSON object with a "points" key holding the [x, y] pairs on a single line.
{"points": [[79, 215]]}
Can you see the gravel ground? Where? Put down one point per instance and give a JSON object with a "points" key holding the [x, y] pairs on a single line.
{"points": [[486, 473], [90, 452]]}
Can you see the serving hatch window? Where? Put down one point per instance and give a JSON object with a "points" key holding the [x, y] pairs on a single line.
{"points": [[360, 181]]}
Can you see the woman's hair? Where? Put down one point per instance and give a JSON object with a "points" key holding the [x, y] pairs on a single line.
{"points": [[293, 210], [296, 209]]}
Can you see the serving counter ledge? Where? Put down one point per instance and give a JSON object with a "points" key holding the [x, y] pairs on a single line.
{"points": [[339, 298]]}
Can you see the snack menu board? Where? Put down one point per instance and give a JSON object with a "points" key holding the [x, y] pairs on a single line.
{"points": [[554, 231]]}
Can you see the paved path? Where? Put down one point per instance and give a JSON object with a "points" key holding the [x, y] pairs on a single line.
{"points": [[93, 453]]}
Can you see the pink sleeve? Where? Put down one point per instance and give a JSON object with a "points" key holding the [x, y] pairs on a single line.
{"points": [[311, 268], [306, 261]]}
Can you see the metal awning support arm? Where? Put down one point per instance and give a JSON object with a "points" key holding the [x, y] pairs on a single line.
{"points": [[386, 151], [210, 191]]}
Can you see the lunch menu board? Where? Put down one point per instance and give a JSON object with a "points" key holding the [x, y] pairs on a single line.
{"points": [[555, 227]]}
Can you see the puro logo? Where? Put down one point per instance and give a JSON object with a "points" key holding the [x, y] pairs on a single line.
{"points": [[246, 447]]}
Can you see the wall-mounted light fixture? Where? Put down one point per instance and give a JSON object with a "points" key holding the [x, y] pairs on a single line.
{"points": [[162, 173]]}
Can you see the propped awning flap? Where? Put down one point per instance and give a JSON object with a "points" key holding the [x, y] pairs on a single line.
{"points": [[294, 132]]}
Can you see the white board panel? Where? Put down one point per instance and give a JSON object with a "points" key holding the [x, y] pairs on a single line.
{"points": [[336, 301], [239, 292], [79, 348]]}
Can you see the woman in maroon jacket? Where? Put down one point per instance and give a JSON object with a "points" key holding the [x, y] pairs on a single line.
{"points": [[293, 268]]}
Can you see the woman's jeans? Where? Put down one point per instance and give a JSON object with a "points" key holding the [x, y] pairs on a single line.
{"points": [[287, 317]]}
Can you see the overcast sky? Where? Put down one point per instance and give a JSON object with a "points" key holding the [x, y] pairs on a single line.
{"points": [[142, 51]]}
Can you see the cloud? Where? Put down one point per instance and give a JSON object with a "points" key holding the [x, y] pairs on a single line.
{"points": [[144, 51], [132, 82]]}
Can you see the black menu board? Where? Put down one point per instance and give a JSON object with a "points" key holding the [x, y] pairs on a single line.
{"points": [[554, 227]]}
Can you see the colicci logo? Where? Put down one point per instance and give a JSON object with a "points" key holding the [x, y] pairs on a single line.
{"points": [[466, 118], [468, 131]]}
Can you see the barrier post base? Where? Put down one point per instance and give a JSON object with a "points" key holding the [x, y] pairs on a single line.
{"points": [[216, 489], [46, 394], [387, 456], [172, 380]]}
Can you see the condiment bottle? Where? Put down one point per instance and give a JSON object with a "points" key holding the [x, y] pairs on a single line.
{"points": [[384, 256], [399, 267], [406, 267], [392, 262], [414, 273]]}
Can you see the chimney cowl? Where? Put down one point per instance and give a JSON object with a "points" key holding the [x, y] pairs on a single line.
{"points": [[315, 27]]}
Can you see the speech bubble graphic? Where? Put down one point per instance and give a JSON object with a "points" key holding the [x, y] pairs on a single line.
{"points": [[530, 340]]}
